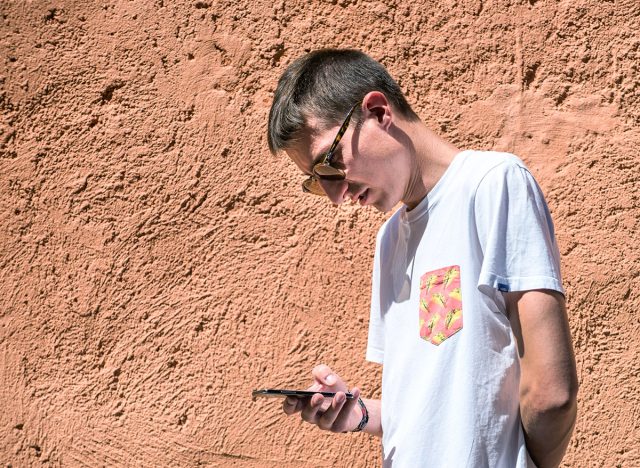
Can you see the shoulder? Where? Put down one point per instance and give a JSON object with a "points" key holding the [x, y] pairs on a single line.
{"points": [[478, 164], [492, 172]]}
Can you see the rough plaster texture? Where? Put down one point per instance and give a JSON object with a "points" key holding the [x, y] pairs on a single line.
{"points": [[157, 263]]}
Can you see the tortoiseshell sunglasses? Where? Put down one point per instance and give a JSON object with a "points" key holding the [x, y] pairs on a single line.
{"points": [[323, 169]]}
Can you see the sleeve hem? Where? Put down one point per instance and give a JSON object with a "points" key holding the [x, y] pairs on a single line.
{"points": [[374, 355], [525, 283]]}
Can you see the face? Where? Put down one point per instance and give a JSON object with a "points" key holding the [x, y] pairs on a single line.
{"points": [[370, 158]]}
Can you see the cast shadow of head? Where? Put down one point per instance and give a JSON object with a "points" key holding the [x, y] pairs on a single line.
{"points": [[397, 260]]}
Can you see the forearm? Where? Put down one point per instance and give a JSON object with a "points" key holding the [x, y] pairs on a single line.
{"points": [[374, 426], [548, 378], [548, 431]]}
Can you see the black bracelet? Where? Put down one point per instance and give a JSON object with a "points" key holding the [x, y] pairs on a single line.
{"points": [[365, 416]]}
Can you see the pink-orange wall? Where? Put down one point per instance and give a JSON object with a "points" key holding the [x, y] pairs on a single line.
{"points": [[157, 263]]}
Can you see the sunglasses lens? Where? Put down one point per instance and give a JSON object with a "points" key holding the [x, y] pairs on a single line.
{"points": [[312, 186], [324, 171]]}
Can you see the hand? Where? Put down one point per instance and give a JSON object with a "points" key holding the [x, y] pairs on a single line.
{"points": [[335, 414]]}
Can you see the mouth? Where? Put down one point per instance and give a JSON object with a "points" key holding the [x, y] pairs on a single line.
{"points": [[362, 199]]}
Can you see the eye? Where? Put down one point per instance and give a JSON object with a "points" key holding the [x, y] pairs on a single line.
{"points": [[337, 160]]}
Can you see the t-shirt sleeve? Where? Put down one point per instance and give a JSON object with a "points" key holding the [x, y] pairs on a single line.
{"points": [[375, 342], [515, 232]]}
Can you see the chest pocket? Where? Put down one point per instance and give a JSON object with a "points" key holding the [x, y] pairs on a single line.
{"points": [[440, 312]]}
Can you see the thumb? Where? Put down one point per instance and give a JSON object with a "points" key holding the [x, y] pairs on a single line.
{"points": [[325, 376]]}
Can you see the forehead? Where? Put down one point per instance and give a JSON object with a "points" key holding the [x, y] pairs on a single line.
{"points": [[311, 144]]}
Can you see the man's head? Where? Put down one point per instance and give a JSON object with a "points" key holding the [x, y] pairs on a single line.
{"points": [[314, 95], [325, 84]]}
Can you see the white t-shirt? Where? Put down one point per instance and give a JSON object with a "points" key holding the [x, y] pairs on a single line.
{"points": [[438, 324]]}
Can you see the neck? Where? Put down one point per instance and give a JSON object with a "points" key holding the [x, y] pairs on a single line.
{"points": [[430, 159]]}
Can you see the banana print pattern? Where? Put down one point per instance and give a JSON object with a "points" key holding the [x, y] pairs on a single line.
{"points": [[440, 304]]}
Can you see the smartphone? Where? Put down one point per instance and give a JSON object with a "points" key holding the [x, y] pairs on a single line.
{"points": [[280, 392]]}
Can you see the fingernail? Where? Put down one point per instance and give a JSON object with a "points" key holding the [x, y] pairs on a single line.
{"points": [[330, 379], [339, 398]]}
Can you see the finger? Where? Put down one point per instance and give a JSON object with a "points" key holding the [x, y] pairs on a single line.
{"points": [[341, 422], [324, 375], [292, 405], [316, 387], [326, 420], [310, 411]]}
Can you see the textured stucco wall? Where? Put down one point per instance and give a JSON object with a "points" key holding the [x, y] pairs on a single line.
{"points": [[157, 263]]}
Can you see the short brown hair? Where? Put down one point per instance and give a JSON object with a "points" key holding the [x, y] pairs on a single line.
{"points": [[326, 83]]}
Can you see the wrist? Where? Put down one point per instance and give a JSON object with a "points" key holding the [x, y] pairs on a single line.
{"points": [[364, 412]]}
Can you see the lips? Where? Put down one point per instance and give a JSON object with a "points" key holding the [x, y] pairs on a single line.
{"points": [[362, 198]]}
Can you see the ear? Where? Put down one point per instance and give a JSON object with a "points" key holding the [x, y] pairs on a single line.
{"points": [[376, 105]]}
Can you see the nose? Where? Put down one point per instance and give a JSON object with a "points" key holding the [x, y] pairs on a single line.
{"points": [[336, 190]]}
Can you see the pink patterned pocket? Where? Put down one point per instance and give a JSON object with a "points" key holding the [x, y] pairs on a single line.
{"points": [[440, 304]]}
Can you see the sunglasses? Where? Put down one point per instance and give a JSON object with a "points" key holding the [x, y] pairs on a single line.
{"points": [[323, 170]]}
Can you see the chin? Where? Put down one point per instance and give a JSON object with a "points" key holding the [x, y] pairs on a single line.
{"points": [[384, 205]]}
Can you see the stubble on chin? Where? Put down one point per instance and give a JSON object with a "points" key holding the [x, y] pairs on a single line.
{"points": [[381, 207]]}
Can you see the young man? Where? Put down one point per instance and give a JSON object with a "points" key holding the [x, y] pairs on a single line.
{"points": [[467, 312]]}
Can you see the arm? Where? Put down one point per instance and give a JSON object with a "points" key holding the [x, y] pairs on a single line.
{"points": [[548, 381], [337, 414]]}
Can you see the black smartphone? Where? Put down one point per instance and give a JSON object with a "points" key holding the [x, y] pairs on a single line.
{"points": [[280, 392]]}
